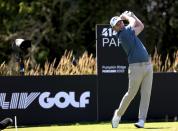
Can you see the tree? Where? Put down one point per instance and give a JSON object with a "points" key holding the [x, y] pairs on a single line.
{"points": [[54, 26]]}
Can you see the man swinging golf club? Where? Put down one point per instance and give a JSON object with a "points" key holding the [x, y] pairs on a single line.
{"points": [[140, 71]]}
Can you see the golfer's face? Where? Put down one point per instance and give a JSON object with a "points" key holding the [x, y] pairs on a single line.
{"points": [[119, 25]]}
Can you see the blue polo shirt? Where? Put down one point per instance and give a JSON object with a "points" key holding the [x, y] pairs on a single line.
{"points": [[132, 45]]}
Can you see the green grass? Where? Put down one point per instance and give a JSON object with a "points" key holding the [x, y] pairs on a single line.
{"points": [[152, 126]]}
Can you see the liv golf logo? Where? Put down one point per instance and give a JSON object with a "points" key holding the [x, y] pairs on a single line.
{"points": [[61, 100]]}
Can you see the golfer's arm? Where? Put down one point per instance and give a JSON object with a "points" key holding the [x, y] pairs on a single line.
{"points": [[131, 20], [139, 26]]}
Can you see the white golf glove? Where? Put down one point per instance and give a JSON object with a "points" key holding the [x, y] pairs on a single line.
{"points": [[128, 13]]}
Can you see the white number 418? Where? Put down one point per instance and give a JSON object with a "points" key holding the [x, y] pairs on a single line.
{"points": [[108, 32]]}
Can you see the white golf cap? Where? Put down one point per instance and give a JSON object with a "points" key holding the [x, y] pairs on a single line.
{"points": [[114, 20]]}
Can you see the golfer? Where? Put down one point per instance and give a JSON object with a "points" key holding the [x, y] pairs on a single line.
{"points": [[140, 70]]}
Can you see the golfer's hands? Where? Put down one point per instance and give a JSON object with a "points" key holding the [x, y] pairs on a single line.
{"points": [[128, 13], [123, 16]]}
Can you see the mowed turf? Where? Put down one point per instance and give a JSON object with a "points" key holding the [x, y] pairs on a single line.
{"points": [[154, 126]]}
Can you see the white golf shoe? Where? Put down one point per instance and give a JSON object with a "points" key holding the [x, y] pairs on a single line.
{"points": [[140, 124], [115, 120]]}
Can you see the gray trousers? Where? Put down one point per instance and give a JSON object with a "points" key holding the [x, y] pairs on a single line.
{"points": [[140, 76]]}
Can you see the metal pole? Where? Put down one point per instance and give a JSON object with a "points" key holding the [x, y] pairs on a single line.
{"points": [[22, 66]]}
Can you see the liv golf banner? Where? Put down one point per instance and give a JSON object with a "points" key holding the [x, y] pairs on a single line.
{"points": [[48, 99]]}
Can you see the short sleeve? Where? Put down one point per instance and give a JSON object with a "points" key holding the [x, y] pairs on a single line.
{"points": [[130, 29]]}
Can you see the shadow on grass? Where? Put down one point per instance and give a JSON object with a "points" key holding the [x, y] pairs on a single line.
{"points": [[157, 128]]}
